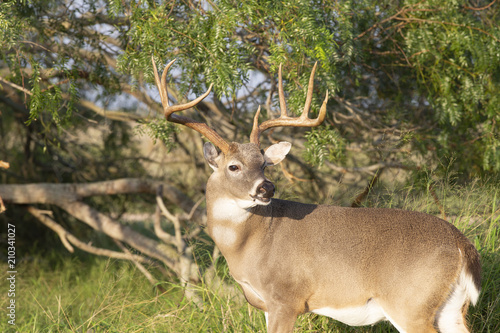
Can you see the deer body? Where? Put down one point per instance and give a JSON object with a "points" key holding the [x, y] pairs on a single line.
{"points": [[356, 265]]}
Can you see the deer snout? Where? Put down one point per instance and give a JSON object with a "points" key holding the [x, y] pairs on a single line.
{"points": [[266, 189]]}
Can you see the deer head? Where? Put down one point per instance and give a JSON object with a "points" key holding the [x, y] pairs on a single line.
{"points": [[243, 164]]}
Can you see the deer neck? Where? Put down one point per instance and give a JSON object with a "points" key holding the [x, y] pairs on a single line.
{"points": [[232, 225]]}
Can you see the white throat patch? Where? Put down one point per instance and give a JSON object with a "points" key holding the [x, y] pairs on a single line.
{"points": [[224, 236], [233, 210]]}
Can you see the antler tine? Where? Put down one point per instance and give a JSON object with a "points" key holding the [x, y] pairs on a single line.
{"points": [[284, 120], [162, 84], [168, 110], [310, 87], [281, 95]]}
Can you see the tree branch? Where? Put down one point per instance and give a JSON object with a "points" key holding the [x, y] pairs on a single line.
{"points": [[370, 169], [47, 193], [115, 230], [178, 241], [15, 86], [66, 237], [160, 233], [418, 20]]}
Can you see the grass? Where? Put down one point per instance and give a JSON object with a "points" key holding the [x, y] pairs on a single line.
{"points": [[88, 294]]}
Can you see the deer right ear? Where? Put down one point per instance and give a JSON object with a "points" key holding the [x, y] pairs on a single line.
{"points": [[211, 154], [277, 152]]}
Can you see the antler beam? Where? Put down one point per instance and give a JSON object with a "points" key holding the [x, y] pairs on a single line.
{"points": [[200, 127], [284, 120]]}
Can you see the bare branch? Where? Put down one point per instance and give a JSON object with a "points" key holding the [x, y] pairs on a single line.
{"points": [[179, 242], [370, 169], [46, 193], [66, 237], [193, 210], [110, 114], [481, 8], [115, 230], [290, 176], [2, 206], [160, 233], [15, 86], [51, 224], [425, 21]]}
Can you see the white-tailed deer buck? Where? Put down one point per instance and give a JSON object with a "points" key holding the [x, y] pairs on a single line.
{"points": [[356, 265]]}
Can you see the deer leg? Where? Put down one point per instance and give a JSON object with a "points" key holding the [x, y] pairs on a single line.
{"points": [[409, 320], [280, 319]]}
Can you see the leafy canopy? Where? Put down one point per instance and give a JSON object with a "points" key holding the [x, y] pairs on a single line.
{"points": [[408, 75]]}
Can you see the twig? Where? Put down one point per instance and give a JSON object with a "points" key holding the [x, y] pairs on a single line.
{"points": [[436, 200], [405, 9], [360, 198], [160, 233], [48, 222], [193, 210], [15, 86], [290, 176], [178, 241], [55, 84], [371, 169], [481, 8], [414, 19]]}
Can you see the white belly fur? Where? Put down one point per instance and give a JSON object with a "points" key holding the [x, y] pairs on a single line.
{"points": [[368, 314]]}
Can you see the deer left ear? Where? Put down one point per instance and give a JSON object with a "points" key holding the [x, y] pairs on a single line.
{"points": [[211, 154], [276, 153]]}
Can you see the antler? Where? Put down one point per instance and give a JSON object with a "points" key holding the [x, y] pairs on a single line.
{"points": [[286, 121], [200, 127]]}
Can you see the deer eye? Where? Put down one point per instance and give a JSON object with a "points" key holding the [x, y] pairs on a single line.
{"points": [[233, 168]]}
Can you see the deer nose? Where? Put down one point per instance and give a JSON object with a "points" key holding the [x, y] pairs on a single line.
{"points": [[266, 189]]}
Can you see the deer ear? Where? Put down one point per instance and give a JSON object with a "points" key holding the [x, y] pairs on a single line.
{"points": [[211, 154], [277, 152]]}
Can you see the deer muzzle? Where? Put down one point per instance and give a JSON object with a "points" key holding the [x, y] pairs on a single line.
{"points": [[265, 191]]}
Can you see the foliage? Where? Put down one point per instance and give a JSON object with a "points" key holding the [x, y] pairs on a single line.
{"points": [[157, 129], [324, 144]]}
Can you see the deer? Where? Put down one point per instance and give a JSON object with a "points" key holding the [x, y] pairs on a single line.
{"points": [[356, 265]]}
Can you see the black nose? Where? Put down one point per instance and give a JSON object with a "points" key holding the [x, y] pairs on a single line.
{"points": [[266, 189]]}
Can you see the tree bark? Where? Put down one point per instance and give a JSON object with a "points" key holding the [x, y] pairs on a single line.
{"points": [[47, 193]]}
